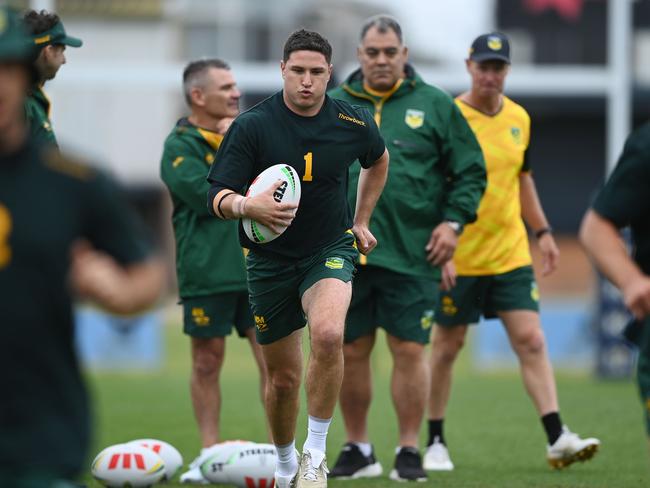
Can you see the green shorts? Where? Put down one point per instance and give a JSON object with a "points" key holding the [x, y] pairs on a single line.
{"points": [[402, 305], [216, 315], [276, 288], [474, 296]]}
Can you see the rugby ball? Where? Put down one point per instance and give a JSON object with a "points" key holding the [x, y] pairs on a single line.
{"points": [[243, 465], [289, 192], [128, 465], [169, 454], [219, 450]]}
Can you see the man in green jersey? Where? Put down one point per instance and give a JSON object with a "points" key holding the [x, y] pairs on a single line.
{"points": [[50, 39], [209, 260], [304, 275], [625, 201], [436, 181], [56, 216]]}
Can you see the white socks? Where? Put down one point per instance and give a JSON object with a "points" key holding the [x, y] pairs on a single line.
{"points": [[365, 448], [287, 464], [316, 439]]}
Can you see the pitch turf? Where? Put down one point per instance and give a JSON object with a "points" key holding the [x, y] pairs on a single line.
{"points": [[495, 438]]}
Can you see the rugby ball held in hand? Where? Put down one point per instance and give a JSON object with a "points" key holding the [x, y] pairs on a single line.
{"points": [[129, 465], [289, 192], [243, 465], [169, 454]]}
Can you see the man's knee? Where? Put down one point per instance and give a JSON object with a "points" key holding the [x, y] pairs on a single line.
{"points": [[404, 351], [530, 341], [446, 345], [359, 349], [326, 340], [207, 357], [283, 380]]}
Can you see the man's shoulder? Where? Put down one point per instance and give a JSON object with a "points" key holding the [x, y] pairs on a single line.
{"points": [[432, 92], [640, 137], [350, 112], [66, 166], [514, 109]]}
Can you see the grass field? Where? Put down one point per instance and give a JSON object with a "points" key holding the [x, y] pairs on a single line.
{"points": [[495, 437]]}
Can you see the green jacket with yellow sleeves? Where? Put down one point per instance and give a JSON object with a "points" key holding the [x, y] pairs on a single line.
{"points": [[209, 259], [37, 111], [436, 172]]}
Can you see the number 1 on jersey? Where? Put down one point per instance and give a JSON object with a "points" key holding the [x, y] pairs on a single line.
{"points": [[308, 161]]}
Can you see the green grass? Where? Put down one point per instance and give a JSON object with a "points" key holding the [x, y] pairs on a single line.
{"points": [[495, 437]]}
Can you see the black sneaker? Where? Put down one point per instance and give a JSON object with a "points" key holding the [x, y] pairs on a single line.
{"points": [[408, 466], [353, 464]]}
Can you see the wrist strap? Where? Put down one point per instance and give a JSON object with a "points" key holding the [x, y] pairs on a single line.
{"points": [[546, 230], [219, 211]]}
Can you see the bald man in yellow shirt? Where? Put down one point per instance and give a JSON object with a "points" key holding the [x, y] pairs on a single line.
{"points": [[491, 273]]}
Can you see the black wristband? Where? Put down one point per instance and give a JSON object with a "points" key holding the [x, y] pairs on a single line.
{"points": [[219, 211], [546, 230]]}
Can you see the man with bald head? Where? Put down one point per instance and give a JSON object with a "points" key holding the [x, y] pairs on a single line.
{"points": [[436, 180]]}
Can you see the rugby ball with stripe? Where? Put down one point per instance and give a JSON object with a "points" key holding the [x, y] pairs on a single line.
{"points": [[242, 465], [289, 192], [169, 454], [128, 465]]}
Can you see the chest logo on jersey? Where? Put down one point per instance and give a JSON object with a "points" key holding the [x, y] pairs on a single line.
{"points": [[351, 119], [414, 118], [516, 134]]}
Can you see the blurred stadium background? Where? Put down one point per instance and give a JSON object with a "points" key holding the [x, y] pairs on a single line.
{"points": [[579, 67]]}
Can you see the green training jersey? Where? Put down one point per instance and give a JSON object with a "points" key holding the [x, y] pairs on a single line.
{"points": [[437, 171], [37, 110], [321, 149], [209, 258], [46, 204], [625, 198]]}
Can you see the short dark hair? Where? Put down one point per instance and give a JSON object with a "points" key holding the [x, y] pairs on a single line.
{"points": [[194, 71], [39, 22], [383, 23], [304, 40]]}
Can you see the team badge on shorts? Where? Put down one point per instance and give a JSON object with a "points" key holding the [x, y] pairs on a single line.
{"points": [[334, 263], [199, 317], [534, 291], [448, 306], [414, 118], [426, 321], [261, 324]]}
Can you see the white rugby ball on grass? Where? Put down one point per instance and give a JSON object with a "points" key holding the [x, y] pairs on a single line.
{"points": [[243, 465], [169, 454], [289, 192], [128, 465]]}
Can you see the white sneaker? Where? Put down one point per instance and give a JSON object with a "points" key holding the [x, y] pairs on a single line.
{"points": [[310, 476], [437, 457], [569, 448], [193, 476]]}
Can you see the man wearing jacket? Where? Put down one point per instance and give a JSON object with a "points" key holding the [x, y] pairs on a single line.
{"points": [[436, 180], [209, 259]]}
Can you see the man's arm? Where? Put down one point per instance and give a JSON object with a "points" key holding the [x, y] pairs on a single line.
{"points": [[466, 183], [533, 215], [184, 174], [371, 184], [603, 242], [120, 289]]}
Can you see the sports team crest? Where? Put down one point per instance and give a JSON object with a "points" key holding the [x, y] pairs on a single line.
{"points": [[516, 134], [414, 118], [494, 43]]}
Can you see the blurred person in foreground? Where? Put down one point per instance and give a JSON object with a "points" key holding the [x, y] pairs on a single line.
{"points": [[624, 201], [491, 273], [436, 180], [50, 40], [209, 260], [62, 226], [304, 276]]}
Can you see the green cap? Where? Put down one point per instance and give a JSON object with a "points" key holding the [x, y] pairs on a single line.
{"points": [[15, 42], [56, 35]]}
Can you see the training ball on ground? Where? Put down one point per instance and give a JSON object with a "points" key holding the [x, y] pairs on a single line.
{"points": [[243, 465], [289, 192], [169, 454], [128, 465]]}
